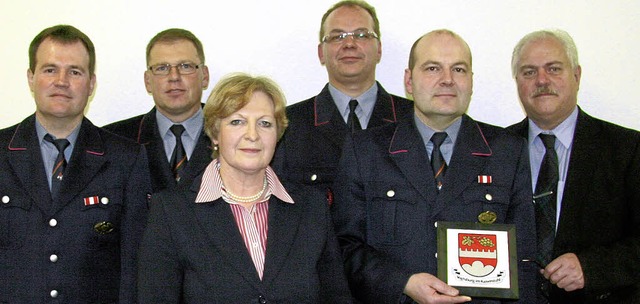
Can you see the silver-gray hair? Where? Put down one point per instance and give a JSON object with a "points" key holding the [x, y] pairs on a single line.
{"points": [[559, 35]]}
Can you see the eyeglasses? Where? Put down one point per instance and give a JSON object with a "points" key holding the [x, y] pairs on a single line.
{"points": [[359, 35], [184, 68]]}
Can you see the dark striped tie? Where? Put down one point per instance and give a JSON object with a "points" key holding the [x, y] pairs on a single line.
{"points": [[352, 121], [60, 164], [438, 163], [545, 198], [178, 157]]}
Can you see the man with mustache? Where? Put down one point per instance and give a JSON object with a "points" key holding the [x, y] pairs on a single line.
{"points": [[73, 196], [172, 131], [588, 208], [350, 49]]}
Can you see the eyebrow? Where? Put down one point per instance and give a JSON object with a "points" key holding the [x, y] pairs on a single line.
{"points": [[428, 62], [53, 65], [343, 31], [529, 66]]}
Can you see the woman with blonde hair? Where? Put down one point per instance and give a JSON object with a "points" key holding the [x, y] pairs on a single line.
{"points": [[237, 234]]}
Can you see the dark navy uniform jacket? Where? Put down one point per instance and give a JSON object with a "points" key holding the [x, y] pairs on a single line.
{"points": [[310, 149], [80, 248]]}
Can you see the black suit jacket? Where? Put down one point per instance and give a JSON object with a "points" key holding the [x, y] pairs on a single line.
{"points": [[386, 203], [600, 215], [144, 130], [47, 244], [194, 253], [310, 149]]}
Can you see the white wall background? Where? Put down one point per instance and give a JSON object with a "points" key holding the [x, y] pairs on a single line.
{"points": [[278, 38]]}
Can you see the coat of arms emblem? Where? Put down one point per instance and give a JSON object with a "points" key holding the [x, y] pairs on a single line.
{"points": [[477, 253]]}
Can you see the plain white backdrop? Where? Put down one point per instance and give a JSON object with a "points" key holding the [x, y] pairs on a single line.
{"points": [[279, 39]]}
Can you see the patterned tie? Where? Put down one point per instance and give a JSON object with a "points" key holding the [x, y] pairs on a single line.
{"points": [[438, 164], [352, 121], [60, 164], [545, 198], [178, 157]]}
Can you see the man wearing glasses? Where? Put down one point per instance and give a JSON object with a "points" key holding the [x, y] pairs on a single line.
{"points": [[350, 49], [172, 131]]}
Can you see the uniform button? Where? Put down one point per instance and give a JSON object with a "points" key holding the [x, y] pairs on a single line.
{"points": [[435, 224], [53, 222], [54, 293], [391, 193], [314, 177], [53, 258], [436, 255], [488, 196], [262, 300], [5, 199], [104, 200]]}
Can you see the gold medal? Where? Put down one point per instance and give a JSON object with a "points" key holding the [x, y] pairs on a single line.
{"points": [[487, 217]]}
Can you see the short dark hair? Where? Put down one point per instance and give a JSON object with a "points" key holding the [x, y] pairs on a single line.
{"points": [[176, 34], [357, 3], [65, 34]]}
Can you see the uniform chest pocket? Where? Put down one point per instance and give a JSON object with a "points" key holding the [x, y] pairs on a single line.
{"points": [[493, 199], [102, 213], [391, 214], [14, 219]]}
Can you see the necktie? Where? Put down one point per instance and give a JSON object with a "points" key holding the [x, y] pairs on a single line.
{"points": [[352, 121], [545, 198], [438, 164], [178, 157], [60, 164]]}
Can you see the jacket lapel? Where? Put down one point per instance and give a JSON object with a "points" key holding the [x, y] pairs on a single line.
{"points": [[408, 151], [200, 157], [217, 221], [327, 118], [149, 136], [25, 159], [284, 222], [384, 110], [86, 161], [470, 154], [584, 150]]}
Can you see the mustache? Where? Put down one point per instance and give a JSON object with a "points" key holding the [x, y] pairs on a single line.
{"points": [[544, 90]]}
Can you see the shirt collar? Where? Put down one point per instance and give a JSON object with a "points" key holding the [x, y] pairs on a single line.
{"points": [[211, 185], [563, 132], [192, 126], [366, 101], [426, 132], [41, 132]]}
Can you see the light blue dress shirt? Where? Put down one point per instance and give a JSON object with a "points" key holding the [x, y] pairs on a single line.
{"points": [[192, 130], [366, 103], [564, 140]]}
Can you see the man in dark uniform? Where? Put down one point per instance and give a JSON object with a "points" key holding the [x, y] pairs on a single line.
{"points": [[350, 49], [74, 197], [172, 131]]}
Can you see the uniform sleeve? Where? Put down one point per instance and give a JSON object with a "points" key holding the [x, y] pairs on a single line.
{"points": [[138, 188], [159, 272]]}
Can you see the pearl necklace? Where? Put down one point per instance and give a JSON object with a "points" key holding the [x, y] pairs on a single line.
{"points": [[247, 199]]}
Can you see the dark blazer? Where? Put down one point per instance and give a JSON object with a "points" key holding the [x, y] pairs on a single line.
{"points": [[310, 149], [386, 203], [600, 215], [144, 130], [56, 245], [194, 253]]}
